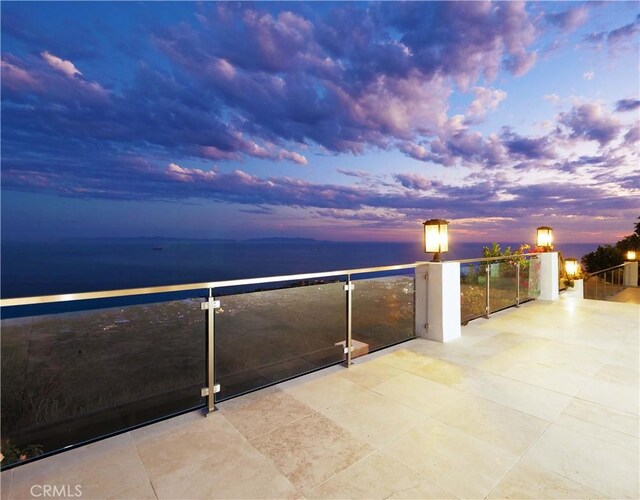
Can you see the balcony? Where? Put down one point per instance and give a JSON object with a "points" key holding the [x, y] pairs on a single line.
{"points": [[535, 402]]}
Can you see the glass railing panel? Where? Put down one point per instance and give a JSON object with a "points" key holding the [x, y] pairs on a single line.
{"points": [[71, 377], [383, 312], [529, 279], [473, 291], [265, 337], [503, 285]]}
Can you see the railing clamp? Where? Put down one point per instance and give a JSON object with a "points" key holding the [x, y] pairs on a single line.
{"points": [[205, 305], [349, 286], [205, 390]]}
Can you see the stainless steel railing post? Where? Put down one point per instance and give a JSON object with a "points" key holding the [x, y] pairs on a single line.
{"points": [[518, 283], [487, 305], [348, 347], [211, 383]]}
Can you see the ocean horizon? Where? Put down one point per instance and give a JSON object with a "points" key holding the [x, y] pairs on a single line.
{"points": [[82, 265]]}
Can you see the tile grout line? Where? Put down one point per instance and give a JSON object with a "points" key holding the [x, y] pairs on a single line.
{"points": [[135, 445]]}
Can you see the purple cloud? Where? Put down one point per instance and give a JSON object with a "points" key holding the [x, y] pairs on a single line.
{"points": [[569, 20], [627, 105], [615, 36], [590, 122]]}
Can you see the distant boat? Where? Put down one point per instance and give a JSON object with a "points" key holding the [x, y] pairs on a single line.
{"points": [[157, 248]]}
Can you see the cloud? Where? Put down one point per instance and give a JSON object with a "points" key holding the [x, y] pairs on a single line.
{"points": [[590, 122], [65, 67], [588, 75], [528, 148], [485, 100], [569, 20], [414, 181], [616, 36], [627, 104]]}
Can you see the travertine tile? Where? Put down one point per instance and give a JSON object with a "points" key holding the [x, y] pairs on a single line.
{"points": [[448, 373], [619, 374], [504, 427], [373, 418], [370, 373], [603, 416], [6, 479], [263, 411], [184, 439], [530, 482], [322, 392], [310, 450], [463, 465], [620, 397], [240, 472], [526, 398], [407, 360], [363, 480], [142, 492], [604, 433], [102, 470], [543, 376], [418, 393], [607, 468]]}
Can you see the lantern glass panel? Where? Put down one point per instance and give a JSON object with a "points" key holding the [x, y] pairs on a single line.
{"points": [[434, 235], [545, 237], [571, 266], [631, 255]]}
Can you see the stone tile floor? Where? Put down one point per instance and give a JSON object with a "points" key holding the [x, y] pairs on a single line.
{"points": [[536, 402]]}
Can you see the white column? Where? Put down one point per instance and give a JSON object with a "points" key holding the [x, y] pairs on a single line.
{"points": [[631, 273], [438, 301], [548, 275], [577, 292]]}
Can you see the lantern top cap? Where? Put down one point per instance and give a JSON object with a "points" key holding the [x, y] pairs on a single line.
{"points": [[545, 228], [435, 222]]}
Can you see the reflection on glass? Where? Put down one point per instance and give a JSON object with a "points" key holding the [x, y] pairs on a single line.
{"points": [[503, 285], [529, 279], [72, 377], [383, 313], [473, 291], [262, 338]]}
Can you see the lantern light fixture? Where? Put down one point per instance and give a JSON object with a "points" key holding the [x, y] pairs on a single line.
{"points": [[544, 238], [436, 238], [572, 267], [631, 255]]}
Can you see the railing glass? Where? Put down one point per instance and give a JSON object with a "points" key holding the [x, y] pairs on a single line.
{"points": [[503, 285], [473, 291], [264, 337], [495, 283], [71, 377], [604, 284], [529, 279], [383, 312]]}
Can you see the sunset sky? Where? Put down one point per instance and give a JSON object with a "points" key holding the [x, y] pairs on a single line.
{"points": [[338, 121]]}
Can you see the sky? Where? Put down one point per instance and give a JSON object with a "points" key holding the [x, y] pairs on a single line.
{"points": [[327, 120]]}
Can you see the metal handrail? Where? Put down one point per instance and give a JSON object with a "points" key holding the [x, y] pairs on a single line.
{"points": [[105, 294], [589, 275], [503, 257]]}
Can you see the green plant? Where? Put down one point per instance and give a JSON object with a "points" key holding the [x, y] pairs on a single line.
{"points": [[606, 256]]}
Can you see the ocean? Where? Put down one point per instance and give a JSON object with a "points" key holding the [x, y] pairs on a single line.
{"points": [[71, 266]]}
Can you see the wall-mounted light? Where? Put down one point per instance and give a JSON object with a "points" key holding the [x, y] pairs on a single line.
{"points": [[544, 238], [572, 267], [436, 237], [631, 255]]}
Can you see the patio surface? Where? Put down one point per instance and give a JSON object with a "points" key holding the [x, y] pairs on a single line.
{"points": [[535, 402]]}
